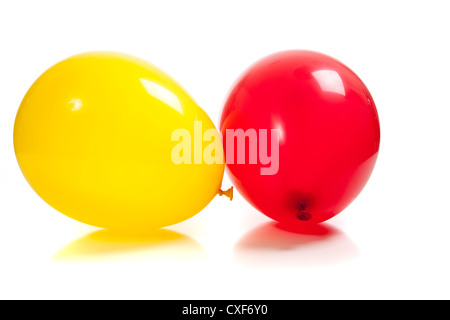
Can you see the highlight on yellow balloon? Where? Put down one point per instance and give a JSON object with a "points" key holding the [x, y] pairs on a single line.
{"points": [[110, 140]]}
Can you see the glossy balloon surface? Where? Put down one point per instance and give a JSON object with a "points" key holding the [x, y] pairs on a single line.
{"points": [[328, 128], [93, 137]]}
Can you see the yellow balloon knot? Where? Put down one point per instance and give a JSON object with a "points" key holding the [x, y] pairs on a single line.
{"points": [[228, 193]]}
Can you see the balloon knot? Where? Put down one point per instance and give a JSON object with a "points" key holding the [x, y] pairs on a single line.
{"points": [[304, 216], [228, 193]]}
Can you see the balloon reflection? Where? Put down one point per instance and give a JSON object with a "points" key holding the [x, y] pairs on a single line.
{"points": [[159, 243], [275, 245]]}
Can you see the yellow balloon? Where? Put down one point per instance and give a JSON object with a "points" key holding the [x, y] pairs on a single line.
{"points": [[104, 138]]}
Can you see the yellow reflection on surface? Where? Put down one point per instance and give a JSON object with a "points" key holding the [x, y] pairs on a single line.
{"points": [[159, 243]]}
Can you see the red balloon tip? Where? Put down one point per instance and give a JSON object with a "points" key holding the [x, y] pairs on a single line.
{"points": [[304, 216]]}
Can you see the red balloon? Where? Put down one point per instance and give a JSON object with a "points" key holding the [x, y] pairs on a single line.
{"points": [[309, 140]]}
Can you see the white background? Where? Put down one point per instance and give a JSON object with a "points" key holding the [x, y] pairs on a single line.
{"points": [[392, 242]]}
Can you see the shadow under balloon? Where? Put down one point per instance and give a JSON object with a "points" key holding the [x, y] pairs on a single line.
{"points": [[113, 244], [275, 245]]}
